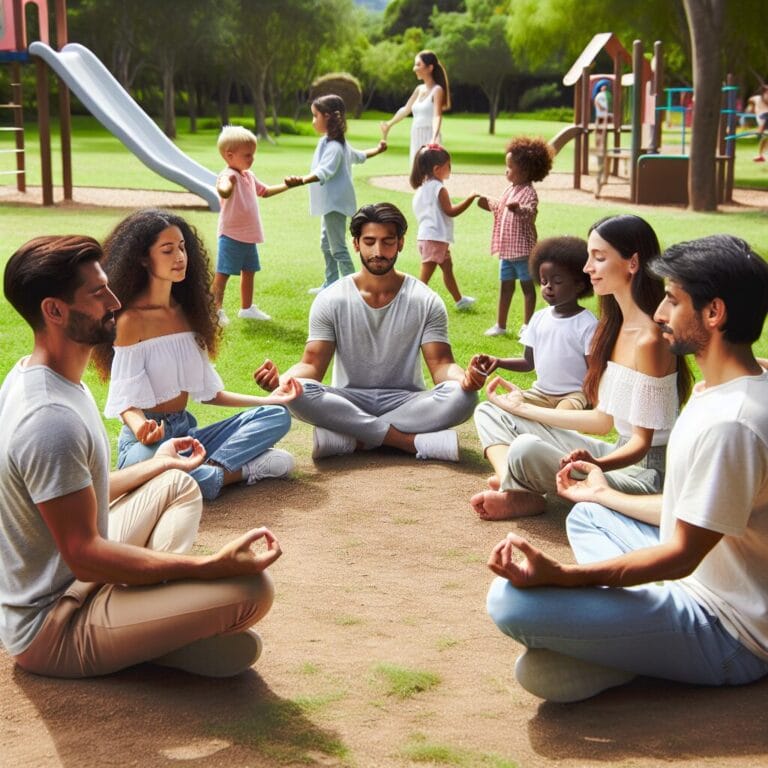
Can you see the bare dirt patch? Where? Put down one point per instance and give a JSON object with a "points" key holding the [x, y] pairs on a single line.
{"points": [[384, 564]]}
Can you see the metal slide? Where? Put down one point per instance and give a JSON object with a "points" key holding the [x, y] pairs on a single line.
{"points": [[116, 110]]}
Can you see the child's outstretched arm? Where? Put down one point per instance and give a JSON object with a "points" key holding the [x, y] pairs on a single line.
{"points": [[225, 184], [298, 181], [276, 189], [377, 150], [522, 364], [454, 210]]}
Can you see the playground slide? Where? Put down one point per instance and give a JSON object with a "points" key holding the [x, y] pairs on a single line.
{"points": [[564, 136], [116, 110]]}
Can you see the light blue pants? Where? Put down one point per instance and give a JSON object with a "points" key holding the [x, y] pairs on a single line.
{"points": [[333, 244], [367, 414], [657, 630], [229, 444]]}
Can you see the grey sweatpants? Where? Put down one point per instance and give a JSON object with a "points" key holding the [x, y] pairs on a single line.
{"points": [[367, 414], [535, 451]]}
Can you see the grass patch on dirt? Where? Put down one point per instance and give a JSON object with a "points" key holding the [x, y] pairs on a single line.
{"points": [[282, 729], [405, 683], [420, 750]]}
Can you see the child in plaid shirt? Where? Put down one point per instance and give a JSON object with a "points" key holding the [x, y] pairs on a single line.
{"points": [[514, 224]]}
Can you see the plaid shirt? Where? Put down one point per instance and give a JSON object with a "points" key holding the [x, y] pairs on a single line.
{"points": [[514, 232]]}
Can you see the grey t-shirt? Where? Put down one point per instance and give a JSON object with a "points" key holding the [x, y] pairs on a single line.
{"points": [[378, 348], [52, 443]]}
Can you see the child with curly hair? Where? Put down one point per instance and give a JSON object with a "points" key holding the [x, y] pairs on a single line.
{"points": [[514, 224]]}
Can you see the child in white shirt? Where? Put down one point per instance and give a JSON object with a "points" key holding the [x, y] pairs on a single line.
{"points": [[435, 212]]}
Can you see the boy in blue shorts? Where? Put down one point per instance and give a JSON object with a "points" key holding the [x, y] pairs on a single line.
{"points": [[239, 221]]}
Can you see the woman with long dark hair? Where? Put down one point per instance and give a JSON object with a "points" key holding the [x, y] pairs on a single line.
{"points": [[166, 332], [427, 103], [634, 382]]}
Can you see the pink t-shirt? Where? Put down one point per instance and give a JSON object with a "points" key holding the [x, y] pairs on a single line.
{"points": [[239, 217]]}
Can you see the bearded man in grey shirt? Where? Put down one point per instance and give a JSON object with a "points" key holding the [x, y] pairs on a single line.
{"points": [[376, 325]]}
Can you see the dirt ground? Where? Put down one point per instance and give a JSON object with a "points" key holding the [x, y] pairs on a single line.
{"points": [[384, 564]]}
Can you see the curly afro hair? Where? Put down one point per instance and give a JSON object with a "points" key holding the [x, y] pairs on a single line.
{"points": [[532, 155]]}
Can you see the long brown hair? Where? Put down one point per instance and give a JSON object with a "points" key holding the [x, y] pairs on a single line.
{"points": [[629, 235], [439, 75], [124, 250], [335, 111]]}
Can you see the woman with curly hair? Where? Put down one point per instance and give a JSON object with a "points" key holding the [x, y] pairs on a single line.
{"points": [[634, 381], [166, 331], [514, 225]]}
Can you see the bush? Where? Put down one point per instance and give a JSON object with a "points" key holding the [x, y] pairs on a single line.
{"points": [[544, 95], [342, 84]]}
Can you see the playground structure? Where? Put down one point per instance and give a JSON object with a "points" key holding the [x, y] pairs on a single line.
{"points": [[655, 178], [80, 71]]}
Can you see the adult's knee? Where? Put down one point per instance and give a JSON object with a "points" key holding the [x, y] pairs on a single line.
{"points": [[506, 605], [586, 516], [524, 451]]}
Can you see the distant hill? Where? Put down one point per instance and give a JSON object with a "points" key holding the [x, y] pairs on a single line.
{"points": [[373, 5]]}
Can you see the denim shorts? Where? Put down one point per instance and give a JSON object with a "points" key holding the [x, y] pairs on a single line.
{"points": [[509, 270], [236, 257]]}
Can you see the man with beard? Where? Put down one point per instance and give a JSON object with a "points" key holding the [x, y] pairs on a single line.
{"points": [[376, 324], [698, 609], [96, 573]]}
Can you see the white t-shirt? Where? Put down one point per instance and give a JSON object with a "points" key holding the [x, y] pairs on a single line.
{"points": [[52, 443], [378, 348], [433, 222], [717, 478], [559, 346]]}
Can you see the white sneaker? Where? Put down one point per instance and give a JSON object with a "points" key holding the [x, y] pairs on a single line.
{"points": [[442, 446], [315, 291], [218, 656], [328, 443], [253, 313], [221, 315], [465, 302], [523, 329], [496, 330], [556, 677], [274, 462]]}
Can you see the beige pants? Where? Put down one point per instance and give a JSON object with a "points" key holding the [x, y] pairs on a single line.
{"points": [[535, 450], [575, 401], [95, 629]]}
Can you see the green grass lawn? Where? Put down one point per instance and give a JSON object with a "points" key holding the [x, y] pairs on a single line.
{"points": [[291, 259]]}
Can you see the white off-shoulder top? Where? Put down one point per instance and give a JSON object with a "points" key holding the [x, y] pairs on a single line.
{"points": [[636, 399], [159, 369]]}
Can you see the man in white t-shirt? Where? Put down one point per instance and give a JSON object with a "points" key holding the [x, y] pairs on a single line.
{"points": [[698, 608], [376, 325], [96, 573]]}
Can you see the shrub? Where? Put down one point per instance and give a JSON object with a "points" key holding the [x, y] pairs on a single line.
{"points": [[342, 84]]}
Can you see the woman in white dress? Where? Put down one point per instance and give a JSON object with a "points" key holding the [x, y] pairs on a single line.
{"points": [[427, 103], [635, 383]]}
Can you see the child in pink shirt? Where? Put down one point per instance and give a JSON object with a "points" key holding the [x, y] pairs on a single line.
{"points": [[239, 221]]}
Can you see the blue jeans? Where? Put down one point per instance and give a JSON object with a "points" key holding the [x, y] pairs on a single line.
{"points": [[657, 630], [229, 444], [333, 244]]}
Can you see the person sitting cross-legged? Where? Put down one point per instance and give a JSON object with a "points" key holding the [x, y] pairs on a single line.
{"points": [[696, 610], [377, 324]]}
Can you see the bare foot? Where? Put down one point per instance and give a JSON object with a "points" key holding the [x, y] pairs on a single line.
{"points": [[504, 505], [493, 482]]}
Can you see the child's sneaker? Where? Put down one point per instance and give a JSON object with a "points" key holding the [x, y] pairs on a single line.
{"points": [[465, 302], [221, 316], [758, 159], [496, 330], [253, 313]]}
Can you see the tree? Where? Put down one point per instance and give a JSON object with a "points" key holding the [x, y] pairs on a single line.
{"points": [[400, 15], [705, 20], [474, 47]]}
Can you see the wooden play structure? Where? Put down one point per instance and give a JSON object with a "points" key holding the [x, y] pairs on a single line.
{"points": [[78, 70], [655, 177], [13, 52]]}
